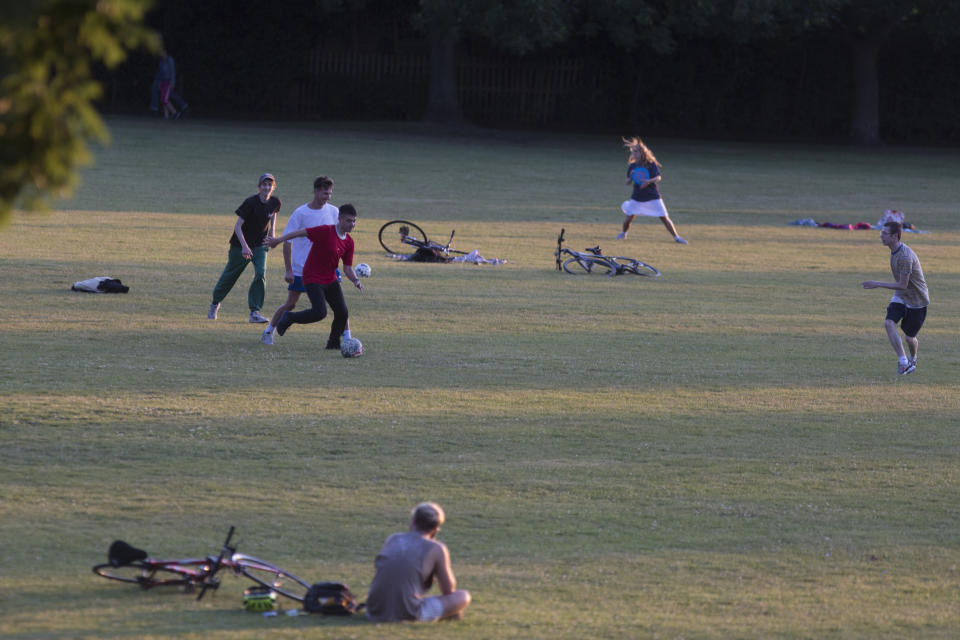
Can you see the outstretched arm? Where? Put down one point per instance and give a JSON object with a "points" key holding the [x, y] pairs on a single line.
{"points": [[272, 242], [901, 285]]}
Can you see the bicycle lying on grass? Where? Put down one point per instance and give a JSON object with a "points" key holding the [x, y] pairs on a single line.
{"points": [[129, 564], [593, 261], [402, 232]]}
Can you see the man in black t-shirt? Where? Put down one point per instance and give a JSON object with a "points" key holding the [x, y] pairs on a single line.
{"points": [[256, 221]]}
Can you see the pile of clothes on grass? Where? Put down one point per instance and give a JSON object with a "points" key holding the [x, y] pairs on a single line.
{"points": [[888, 216], [437, 255]]}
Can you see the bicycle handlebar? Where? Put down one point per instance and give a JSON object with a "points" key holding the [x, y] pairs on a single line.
{"points": [[210, 579], [560, 248]]}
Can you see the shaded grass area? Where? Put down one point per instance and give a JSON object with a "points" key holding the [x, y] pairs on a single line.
{"points": [[721, 452], [404, 171]]}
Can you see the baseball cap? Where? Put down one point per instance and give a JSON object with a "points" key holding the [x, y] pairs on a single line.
{"points": [[265, 177]]}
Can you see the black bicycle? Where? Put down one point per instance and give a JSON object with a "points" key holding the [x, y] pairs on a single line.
{"points": [[129, 564], [593, 261], [402, 236]]}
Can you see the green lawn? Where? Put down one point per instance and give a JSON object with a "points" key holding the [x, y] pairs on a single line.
{"points": [[722, 452]]}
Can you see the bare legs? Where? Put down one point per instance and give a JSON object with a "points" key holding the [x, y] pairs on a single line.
{"points": [[454, 604], [667, 222], [894, 337], [912, 343], [289, 305]]}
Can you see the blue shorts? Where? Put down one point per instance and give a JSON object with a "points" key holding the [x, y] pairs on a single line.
{"points": [[297, 284], [431, 608]]}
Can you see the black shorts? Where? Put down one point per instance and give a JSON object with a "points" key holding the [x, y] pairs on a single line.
{"points": [[910, 319]]}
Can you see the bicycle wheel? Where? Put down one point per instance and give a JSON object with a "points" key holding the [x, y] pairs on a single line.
{"points": [[580, 266], [272, 577], [636, 267], [392, 236], [145, 575]]}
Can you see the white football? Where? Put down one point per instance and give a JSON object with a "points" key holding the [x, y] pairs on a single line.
{"points": [[351, 348], [362, 270]]}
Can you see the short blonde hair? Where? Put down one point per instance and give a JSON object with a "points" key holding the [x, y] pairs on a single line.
{"points": [[427, 516]]}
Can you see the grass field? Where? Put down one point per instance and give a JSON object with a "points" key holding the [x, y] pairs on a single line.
{"points": [[722, 452]]}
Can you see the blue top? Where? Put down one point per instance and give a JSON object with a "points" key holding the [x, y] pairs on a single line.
{"points": [[650, 192], [166, 70]]}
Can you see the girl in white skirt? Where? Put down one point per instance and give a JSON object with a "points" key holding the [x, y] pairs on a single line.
{"points": [[644, 174]]}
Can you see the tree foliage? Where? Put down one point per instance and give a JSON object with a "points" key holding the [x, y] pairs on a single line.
{"points": [[863, 27], [48, 92], [515, 26]]}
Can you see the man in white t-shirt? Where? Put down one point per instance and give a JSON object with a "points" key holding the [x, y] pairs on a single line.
{"points": [[313, 214]]}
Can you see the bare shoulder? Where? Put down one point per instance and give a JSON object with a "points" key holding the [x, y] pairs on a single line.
{"points": [[438, 550]]}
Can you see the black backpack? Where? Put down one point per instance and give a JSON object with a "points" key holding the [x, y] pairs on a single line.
{"points": [[429, 254], [331, 599], [120, 554]]}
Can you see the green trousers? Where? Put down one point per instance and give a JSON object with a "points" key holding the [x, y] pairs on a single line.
{"points": [[236, 263]]}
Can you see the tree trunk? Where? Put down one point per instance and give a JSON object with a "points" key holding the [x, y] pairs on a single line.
{"points": [[866, 105], [443, 107]]}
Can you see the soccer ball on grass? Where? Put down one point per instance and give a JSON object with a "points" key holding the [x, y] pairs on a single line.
{"points": [[362, 270], [351, 348]]}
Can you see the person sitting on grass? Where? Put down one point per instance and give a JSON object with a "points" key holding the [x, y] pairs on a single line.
{"points": [[405, 569], [330, 244]]}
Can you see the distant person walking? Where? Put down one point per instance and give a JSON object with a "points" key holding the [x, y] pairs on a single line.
{"points": [[330, 245], [315, 213], [256, 222], [405, 569], [908, 306], [163, 94], [644, 174]]}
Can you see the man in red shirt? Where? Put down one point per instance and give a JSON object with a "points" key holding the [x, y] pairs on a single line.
{"points": [[331, 244]]}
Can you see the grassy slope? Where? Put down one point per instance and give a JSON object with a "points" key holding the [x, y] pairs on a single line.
{"points": [[723, 452]]}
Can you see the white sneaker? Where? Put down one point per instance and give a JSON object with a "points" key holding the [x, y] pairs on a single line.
{"points": [[214, 308], [256, 318], [266, 337], [904, 369], [680, 240], [622, 235]]}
